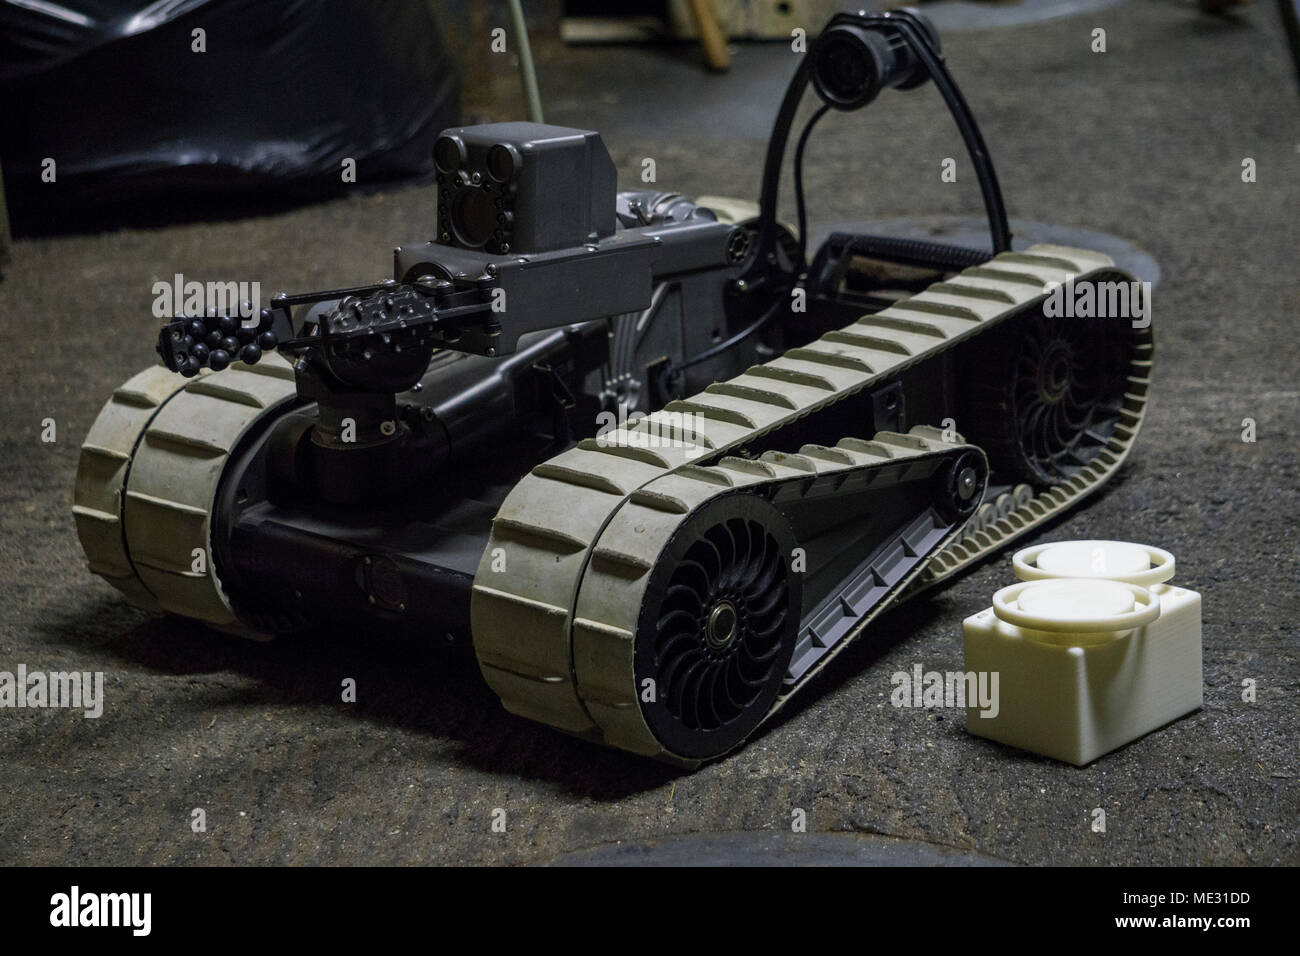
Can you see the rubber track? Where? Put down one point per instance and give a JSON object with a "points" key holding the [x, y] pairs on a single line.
{"points": [[534, 631], [148, 476], [612, 589]]}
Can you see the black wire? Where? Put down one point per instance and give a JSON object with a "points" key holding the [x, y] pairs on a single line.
{"points": [[798, 185], [715, 350]]}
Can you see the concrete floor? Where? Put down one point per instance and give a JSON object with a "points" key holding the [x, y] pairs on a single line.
{"points": [[1145, 141]]}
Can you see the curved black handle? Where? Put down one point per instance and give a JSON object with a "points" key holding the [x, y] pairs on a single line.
{"points": [[894, 66]]}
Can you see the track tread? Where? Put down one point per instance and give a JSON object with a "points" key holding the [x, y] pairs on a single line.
{"points": [[802, 381], [148, 475]]}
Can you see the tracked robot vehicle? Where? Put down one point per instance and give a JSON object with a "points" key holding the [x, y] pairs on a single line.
{"points": [[653, 462]]}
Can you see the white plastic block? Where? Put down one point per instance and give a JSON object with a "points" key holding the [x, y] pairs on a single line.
{"points": [[1093, 649]]}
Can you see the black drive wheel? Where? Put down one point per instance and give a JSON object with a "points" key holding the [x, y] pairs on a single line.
{"points": [[1042, 395], [718, 626], [960, 486]]}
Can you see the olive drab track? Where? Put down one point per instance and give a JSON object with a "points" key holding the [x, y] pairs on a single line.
{"points": [[600, 552]]}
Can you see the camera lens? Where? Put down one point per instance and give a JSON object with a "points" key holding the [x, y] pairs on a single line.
{"points": [[501, 162], [853, 62], [846, 71], [843, 69], [448, 154], [473, 217]]}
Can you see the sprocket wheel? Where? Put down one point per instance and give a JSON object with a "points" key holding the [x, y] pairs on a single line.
{"points": [[1042, 395]]}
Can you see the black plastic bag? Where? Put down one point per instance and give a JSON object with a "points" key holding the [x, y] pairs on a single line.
{"points": [[143, 128]]}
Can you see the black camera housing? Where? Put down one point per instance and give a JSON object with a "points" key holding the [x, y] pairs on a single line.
{"points": [[523, 188]]}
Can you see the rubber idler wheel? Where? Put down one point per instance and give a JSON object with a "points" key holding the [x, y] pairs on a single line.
{"points": [[960, 486], [718, 626]]}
